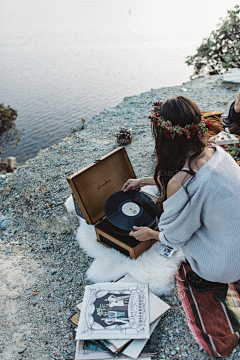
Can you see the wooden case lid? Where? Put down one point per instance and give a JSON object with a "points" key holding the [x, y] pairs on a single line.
{"points": [[93, 185]]}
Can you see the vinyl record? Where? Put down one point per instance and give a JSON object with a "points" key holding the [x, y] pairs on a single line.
{"points": [[127, 209]]}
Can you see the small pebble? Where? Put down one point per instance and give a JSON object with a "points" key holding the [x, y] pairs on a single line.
{"points": [[21, 350]]}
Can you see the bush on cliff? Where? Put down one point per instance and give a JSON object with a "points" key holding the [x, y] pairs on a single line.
{"points": [[221, 51], [8, 133]]}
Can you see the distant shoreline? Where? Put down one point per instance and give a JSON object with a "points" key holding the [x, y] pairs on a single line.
{"points": [[202, 83]]}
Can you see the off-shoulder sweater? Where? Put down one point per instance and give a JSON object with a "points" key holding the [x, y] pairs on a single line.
{"points": [[207, 228]]}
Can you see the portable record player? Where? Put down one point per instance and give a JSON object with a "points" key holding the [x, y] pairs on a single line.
{"points": [[94, 185]]}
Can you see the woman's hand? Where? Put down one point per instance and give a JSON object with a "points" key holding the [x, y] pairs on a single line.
{"points": [[142, 233], [133, 184]]}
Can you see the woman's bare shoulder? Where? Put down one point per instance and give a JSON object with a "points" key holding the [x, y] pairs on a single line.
{"points": [[176, 182]]}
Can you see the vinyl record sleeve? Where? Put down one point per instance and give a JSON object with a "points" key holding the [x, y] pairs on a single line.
{"points": [[82, 354], [74, 318], [114, 311], [98, 349]]}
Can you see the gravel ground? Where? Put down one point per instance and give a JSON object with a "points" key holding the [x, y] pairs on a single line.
{"points": [[43, 270]]}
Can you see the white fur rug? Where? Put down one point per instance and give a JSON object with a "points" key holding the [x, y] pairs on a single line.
{"points": [[109, 264]]}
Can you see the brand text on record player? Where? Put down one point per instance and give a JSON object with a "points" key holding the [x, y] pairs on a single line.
{"points": [[100, 186]]}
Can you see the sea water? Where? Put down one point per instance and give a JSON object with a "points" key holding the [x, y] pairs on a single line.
{"points": [[63, 60]]}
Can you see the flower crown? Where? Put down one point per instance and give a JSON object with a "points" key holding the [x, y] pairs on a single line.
{"points": [[199, 126]]}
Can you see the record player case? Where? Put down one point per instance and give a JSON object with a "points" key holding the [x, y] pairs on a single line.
{"points": [[91, 188]]}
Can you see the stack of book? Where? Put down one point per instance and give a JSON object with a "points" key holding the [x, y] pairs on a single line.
{"points": [[118, 319]]}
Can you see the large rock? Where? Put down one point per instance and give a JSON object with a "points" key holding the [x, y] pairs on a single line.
{"points": [[231, 76], [8, 165]]}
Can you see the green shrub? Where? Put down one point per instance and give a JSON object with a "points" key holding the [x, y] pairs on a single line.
{"points": [[8, 133], [221, 51]]}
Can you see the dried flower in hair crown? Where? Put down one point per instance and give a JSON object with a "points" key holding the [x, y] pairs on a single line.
{"points": [[199, 126]]}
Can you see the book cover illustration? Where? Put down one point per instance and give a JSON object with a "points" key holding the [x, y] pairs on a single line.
{"points": [[97, 349], [74, 318], [86, 348], [90, 346], [114, 311]]}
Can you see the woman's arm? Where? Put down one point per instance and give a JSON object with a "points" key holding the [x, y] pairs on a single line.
{"points": [[149, 181], [136, 183]]}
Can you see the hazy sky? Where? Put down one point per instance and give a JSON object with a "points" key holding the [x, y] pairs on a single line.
{"points": [[61, 60]]}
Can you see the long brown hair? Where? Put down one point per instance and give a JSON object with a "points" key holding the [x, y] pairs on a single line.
{"points": [[172, 153]]}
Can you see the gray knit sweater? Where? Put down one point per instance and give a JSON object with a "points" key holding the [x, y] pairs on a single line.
{"points": [[208, 227]]}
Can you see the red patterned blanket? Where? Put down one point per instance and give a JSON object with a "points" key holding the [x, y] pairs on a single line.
{"points": [[215, 325]]}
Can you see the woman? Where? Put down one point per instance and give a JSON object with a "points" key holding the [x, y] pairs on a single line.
{"points": [[234, 116], [202, 201]]}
